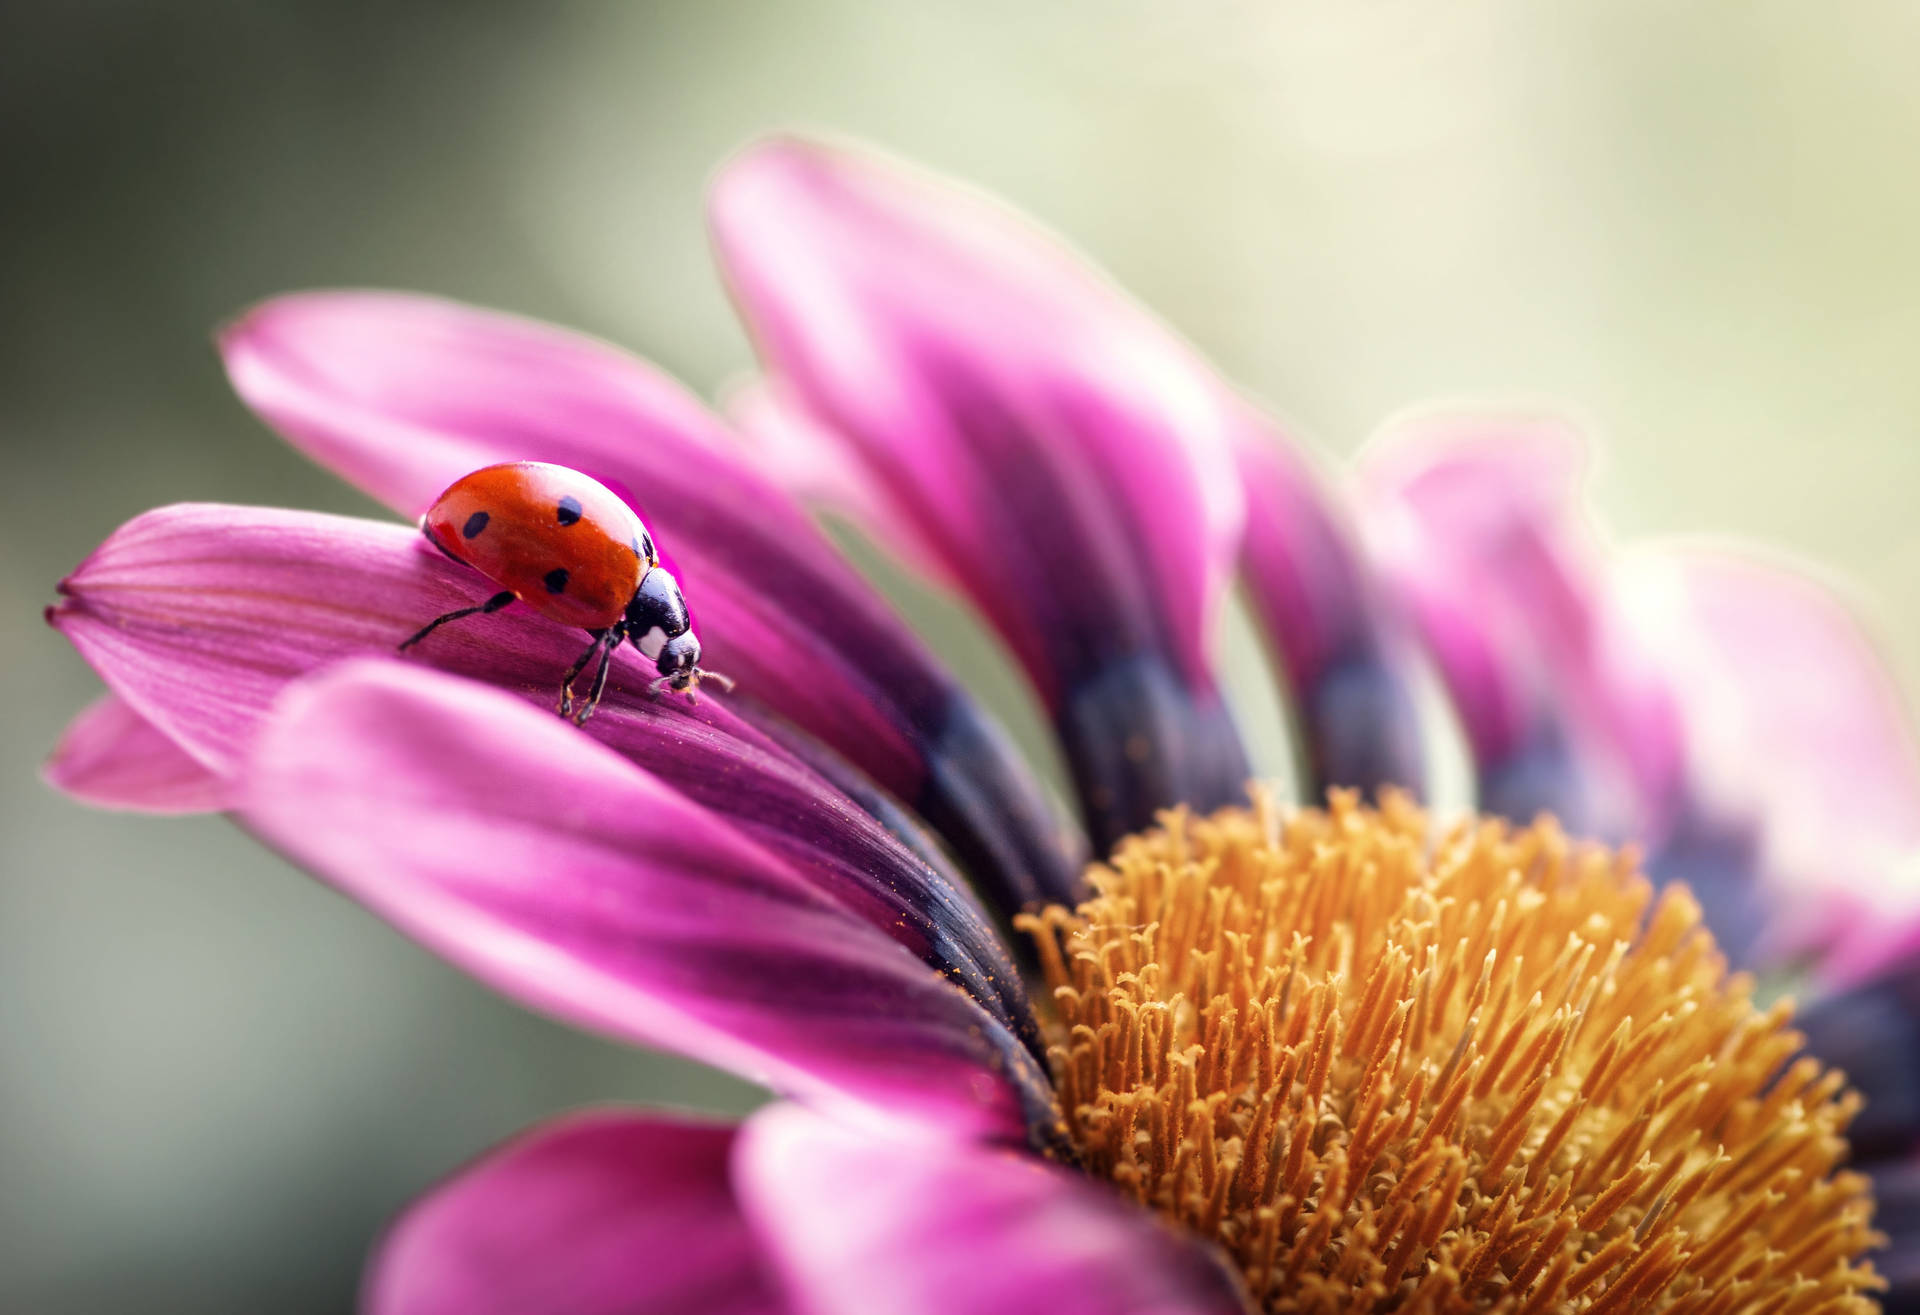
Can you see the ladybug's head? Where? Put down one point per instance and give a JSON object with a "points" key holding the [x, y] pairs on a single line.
{"points": [[679, 661], [658, 624], [680, 669]]}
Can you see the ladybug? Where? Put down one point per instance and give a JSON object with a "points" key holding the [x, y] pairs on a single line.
{"points": [[568, 547]]}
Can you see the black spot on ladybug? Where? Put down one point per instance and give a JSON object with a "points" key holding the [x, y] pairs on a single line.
{"points": [[475, 523], [569, 512], [556, 580]]}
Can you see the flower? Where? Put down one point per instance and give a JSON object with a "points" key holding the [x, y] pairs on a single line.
{"points": [[1323, 1060]]}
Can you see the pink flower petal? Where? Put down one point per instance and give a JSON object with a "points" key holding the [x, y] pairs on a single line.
{"points": [[1794, 721], [112, 757], [1479, 526], [564, 876], [1729, 716], [602, 1213], [958, 1229], [1313, 590], [199, 616], [403, 394], [813, 464], [1064, 457]]}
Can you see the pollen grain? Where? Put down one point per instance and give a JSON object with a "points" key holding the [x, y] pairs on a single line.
{"points": [[1488, 1070]]}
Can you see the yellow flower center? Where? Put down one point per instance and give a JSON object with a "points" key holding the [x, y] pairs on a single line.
{"points": [[1488, 1071]]}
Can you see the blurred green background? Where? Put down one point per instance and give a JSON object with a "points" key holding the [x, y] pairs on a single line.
{"points": [[1695, 223]]}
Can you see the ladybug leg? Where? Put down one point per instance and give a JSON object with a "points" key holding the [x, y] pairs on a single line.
{"points": [[573, 673], [599, 682], [493, 604]]}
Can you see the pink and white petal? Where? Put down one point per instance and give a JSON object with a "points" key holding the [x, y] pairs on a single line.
{"points": [[1480, 528], [112, 757], [1794, 721], [1313, 590], [199, 616], [564, 876], [814, 464], [1062, 455], [403, 394], [958, 1229], [608, 1212]]}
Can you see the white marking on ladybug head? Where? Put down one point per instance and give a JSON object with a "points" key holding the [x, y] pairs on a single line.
{"points": [[651, 643]]}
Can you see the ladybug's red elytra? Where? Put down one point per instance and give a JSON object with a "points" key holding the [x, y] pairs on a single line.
{"points": [[567, 546]]}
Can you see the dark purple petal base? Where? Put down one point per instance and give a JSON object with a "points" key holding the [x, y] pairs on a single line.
{"points": [[1140, 739]]}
